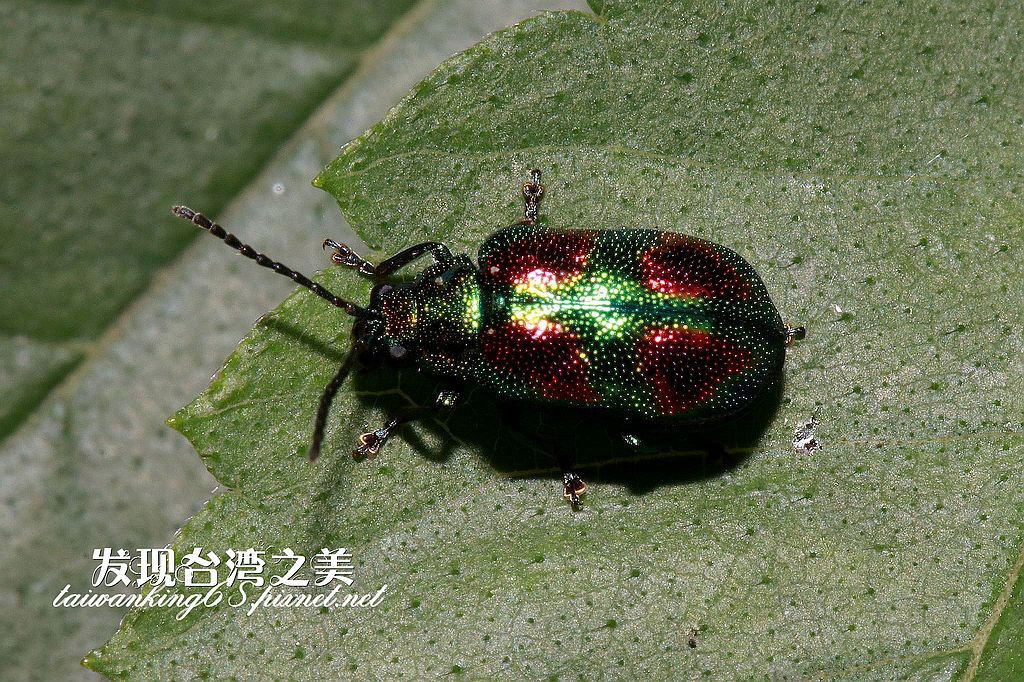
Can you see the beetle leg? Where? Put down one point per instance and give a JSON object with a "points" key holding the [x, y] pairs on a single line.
{"points": [[447, 398], [632, 440], [344, 255], [574, 488], [439, 251], [371, 442], [533, 192], [795, 334]]}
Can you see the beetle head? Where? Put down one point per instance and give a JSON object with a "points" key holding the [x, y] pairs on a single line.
{"points": [[434, 318], [388, 332]]}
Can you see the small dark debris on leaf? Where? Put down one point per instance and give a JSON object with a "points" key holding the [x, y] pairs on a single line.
{"points": [[692, 638]]}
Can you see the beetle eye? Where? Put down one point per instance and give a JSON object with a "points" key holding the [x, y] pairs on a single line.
{"points": [[380, 291], [398, 352]]}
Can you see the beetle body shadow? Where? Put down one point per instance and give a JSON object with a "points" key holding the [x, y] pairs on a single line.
{"points": [[529, 441]]}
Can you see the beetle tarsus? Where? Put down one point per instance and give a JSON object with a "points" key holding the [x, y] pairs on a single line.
{"points": [[370, 443], [448, 398], [575, 489], [632, 440], [344, 255], [533, 192]]}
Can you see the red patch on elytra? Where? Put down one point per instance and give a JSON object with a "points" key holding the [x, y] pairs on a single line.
{"points": [[691, 268], [545, 356], [539, 257], [687, 365]]}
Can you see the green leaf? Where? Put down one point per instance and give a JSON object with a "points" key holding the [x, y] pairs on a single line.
{"points": [[78, 215], [113, 114], [109, 115], [866, 160]]}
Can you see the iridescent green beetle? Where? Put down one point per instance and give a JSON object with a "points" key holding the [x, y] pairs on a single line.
{"points": [[652, 326]]}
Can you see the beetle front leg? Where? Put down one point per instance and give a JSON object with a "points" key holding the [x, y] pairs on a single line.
{"points": [[438, 251], [371, 442], [344, 255]]}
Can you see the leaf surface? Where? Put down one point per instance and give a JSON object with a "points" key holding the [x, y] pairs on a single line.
{"points": [[113, 113], [866, 160], [110, 114]]}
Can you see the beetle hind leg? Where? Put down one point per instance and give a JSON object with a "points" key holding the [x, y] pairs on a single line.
{"points": [[575, 488], [533, 192]]}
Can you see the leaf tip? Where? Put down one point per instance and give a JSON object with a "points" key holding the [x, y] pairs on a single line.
{"points": [[175, 420], [327, 180], [96, 661]]}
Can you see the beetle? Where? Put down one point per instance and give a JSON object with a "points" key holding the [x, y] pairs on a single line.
{"points": [[655, 327]]}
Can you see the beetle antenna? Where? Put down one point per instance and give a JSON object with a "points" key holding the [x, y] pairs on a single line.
{"points": [[231, 240], [327, 397]]}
